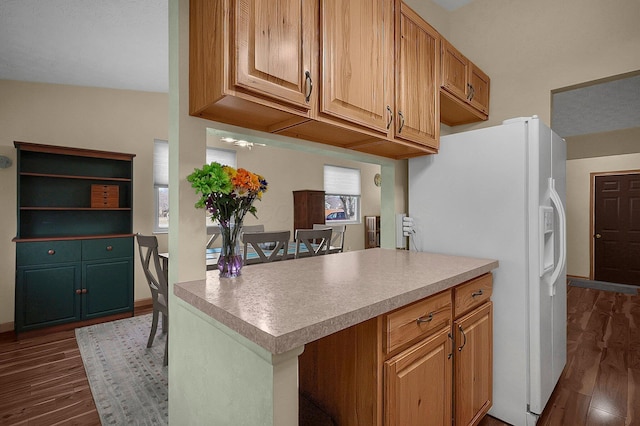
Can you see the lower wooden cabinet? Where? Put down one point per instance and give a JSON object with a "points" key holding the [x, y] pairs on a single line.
{"points": [[58, 282], [428, 363], [473, 365], [418, 383]]}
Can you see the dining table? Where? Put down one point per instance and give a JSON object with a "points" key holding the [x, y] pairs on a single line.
{"points": [[212, 254]]}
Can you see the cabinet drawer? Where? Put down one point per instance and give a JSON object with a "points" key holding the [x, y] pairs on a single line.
{"points": [[105, 196], [416, 320], [107, 248], [469, 295], [47, 252]]}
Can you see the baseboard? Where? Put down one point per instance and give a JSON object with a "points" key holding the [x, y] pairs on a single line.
{"points": [[138, 304], [143, 303], [576, 277], [603, 285], [7, 326]]}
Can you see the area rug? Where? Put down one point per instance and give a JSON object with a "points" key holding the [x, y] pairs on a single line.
{"points": [[603, 285], [128, 381]]}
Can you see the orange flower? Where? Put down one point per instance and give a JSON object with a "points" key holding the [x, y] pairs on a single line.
{"points": [[245, 181]]}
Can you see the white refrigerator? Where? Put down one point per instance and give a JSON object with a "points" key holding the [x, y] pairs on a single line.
{"points": [[499, 193]]}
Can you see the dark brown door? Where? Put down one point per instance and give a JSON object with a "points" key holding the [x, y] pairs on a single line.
{"points": [[617, 229]]}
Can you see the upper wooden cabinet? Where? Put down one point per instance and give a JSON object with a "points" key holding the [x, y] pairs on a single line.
{"points": [[417, 85], [465, 88], [256, 64], [274, 55], [252, 62], [357, 61]]}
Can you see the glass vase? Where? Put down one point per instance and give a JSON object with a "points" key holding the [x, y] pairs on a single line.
{"points": [[230, 260]]}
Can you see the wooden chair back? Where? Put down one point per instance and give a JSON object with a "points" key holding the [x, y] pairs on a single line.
{"points": [[316, 242], [268, 246], [337, 236]]}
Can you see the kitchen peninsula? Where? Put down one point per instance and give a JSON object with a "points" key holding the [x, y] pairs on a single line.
{"points": [[236, 343]]}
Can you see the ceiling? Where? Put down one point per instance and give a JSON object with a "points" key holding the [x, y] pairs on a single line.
{"points": [[118, 44], [123, 44]]}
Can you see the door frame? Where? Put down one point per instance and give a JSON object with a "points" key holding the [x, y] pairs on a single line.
{"points": [[592, 211]]}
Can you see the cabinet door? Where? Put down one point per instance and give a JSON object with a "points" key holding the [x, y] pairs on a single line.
{"points": [[473, 365], [47, 296], [108, 287], [275, 42], [455, 71], [357, 57], [308, 209], [417, 87], [479, 96], [418, 384]]}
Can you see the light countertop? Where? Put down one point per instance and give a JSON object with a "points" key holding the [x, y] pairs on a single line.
{"points": [[284, 305]]}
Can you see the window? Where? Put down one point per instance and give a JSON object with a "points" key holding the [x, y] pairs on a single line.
{"points": [[342, 194], [161, 178]]}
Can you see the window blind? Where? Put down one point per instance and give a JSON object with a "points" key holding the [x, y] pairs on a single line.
{"points": [[341, 180], [161, 160]]}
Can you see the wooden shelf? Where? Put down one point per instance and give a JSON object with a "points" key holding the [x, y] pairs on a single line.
{"points": [[66, 238], [57, 176], [74, 208]]}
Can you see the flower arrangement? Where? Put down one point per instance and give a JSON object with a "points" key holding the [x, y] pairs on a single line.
{"points": [[228, 195]]}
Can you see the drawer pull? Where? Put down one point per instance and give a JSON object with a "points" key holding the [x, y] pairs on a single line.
{"points": [[477, 293], [428, 318], [109, 248], [51, 252]]}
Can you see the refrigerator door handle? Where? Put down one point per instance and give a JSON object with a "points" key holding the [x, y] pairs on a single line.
{"points": [[562, 256]]}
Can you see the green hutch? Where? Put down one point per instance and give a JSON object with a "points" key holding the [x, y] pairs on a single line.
{"points": [[74, 242]]}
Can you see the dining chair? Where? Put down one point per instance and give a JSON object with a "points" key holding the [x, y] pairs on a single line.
{"points": [[250, 228], [262, 247], [337, 236], [157, 280], [213, 232], [312, 242]]}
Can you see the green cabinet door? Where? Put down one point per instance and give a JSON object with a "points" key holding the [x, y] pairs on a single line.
{"points": [[47, 296], [108, 287]]}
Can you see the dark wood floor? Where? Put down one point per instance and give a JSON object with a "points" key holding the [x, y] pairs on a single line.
{"points": [[43, 382], [601, 383]]}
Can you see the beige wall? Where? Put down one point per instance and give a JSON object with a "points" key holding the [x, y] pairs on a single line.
{"points": [[287, 170], [579, 231], [530, 48], [128, 121], [114, 120]]}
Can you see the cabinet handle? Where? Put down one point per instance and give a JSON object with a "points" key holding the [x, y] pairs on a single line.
{"points": [[464, 336], [84, 291], [477, 293], [428, 318], [307, 75], [401, 121], [390, 117], [469, 88], [450, 353], [109, 248], [473, 92], [51, 252], [78, 291]]}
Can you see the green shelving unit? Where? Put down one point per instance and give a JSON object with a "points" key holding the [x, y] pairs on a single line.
{"points": [[74, 262]]}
